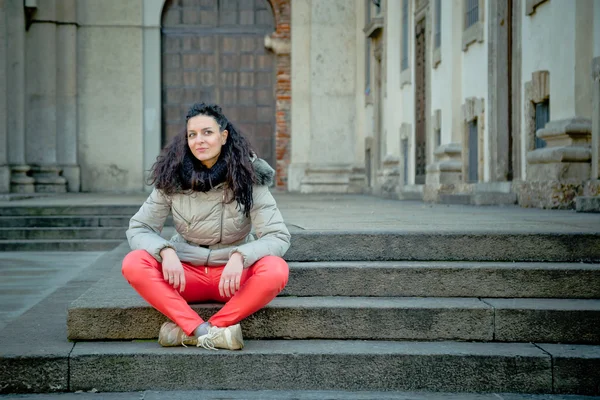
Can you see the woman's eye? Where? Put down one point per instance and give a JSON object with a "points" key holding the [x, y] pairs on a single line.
{"points": [[191, 135], [207, 133]]}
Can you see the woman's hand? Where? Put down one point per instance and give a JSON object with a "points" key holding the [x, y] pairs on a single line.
{"points": [[172, 269], [231, 276]]}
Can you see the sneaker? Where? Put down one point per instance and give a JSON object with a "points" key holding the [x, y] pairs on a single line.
{"points": [[172, 335], [229, 338]]}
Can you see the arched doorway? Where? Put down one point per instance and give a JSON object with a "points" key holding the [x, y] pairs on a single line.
{"points": [[213, 51]]}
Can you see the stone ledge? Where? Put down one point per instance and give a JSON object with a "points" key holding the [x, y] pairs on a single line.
{"points": [[560, 154]]}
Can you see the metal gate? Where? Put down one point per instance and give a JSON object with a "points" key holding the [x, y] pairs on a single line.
{"points": [[420, 104]]}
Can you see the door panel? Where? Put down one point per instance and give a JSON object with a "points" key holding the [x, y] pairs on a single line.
{"points": [[213, 51]]}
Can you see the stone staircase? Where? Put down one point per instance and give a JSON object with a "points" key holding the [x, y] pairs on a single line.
{"points": [[63, 228], [374, 311]]}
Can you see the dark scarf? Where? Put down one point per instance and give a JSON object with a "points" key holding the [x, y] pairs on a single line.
{"points": [[194, 172]]}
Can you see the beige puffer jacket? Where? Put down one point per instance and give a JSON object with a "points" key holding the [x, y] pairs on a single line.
{"points": [[209, 228]]}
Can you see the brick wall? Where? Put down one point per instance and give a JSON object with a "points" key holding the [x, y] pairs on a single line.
{"points": [[283, 91]]}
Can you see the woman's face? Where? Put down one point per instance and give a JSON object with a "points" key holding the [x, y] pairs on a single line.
{"points": [[205, 139]]}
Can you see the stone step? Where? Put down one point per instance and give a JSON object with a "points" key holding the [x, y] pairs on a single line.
{"points": [[65, 221], [295, 395], [587, 204], [59, 245], [117, 233], [112, 310], [444, 279], [456, 199], [71, 210], [444, 246], [303, 395], [337, 365]]}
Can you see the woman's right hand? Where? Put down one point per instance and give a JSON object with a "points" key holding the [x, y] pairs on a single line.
{"points": [[172, 269]]}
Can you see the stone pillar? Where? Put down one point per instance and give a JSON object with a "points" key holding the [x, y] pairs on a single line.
{"points": [[20, 180], [4, 168], [324, 104], [66, 94], [41, 121], [595, 170]]}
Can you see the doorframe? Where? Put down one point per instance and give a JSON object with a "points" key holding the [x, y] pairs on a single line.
{"points": [[278, 42], [504, 66], [423, 12]]}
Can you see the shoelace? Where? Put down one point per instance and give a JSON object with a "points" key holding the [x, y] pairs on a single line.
{"points": [[206, 341]]}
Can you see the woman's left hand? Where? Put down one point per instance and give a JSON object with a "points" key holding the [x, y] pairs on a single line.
{"points": [[231, 276]]}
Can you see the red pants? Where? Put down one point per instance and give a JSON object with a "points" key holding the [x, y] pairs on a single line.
{"points": [[259, 285]]}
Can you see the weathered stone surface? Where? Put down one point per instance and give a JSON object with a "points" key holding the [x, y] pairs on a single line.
{"points": [[125, 315], [587, 204], [444, 279], [64, 221], [62, 233], [493, 198], [549, 194], [546, 320], [464, 199], [389, 246], [313, 365], [576, 368], [59, 245]]}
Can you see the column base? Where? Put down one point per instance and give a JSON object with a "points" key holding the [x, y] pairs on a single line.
{"points": [[20, 180], [72, 173], [4, 179], [326, 179], [48, 179], [387, 182], [444, 176]]}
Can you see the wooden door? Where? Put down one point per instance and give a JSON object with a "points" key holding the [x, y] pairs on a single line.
{"points": [[213, 51], [420, 103]]}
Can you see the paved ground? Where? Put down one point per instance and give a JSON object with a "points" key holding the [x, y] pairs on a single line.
{"points": [[353, 212], [27, 278]]}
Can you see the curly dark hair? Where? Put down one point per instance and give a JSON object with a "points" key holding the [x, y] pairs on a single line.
{"points": [[177, 170]]}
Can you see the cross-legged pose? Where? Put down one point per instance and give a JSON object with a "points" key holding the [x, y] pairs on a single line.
{"points": [[215, 187]]}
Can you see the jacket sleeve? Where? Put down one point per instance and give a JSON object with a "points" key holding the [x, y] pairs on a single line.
{"points": [[147, 224], [273, 237]]}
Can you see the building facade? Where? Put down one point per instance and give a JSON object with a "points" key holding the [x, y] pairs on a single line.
{"points": [[478, 101], [481, 101]]}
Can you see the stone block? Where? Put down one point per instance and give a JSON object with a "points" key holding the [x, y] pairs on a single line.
{"points": [[576, 368], [456, 199], [549, 194], [444, 279], [547, 320], [314, 365], [125, 315], [461, 246], [493, 198], [559, 171], [109, 12], [589, 204]]}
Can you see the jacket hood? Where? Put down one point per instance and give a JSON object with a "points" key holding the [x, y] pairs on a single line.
{"points": [[265, 175]]}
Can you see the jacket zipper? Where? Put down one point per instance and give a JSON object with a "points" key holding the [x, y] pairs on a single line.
{"points": [[222, 212]]}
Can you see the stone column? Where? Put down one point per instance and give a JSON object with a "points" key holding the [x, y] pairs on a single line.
{"points": [[66, 94], [41, 121], [20, 180], [323, 149], [4, 168], [595, 171]]}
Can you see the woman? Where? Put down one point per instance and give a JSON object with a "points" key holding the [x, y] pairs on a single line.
{"points": [[216, 190]]}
